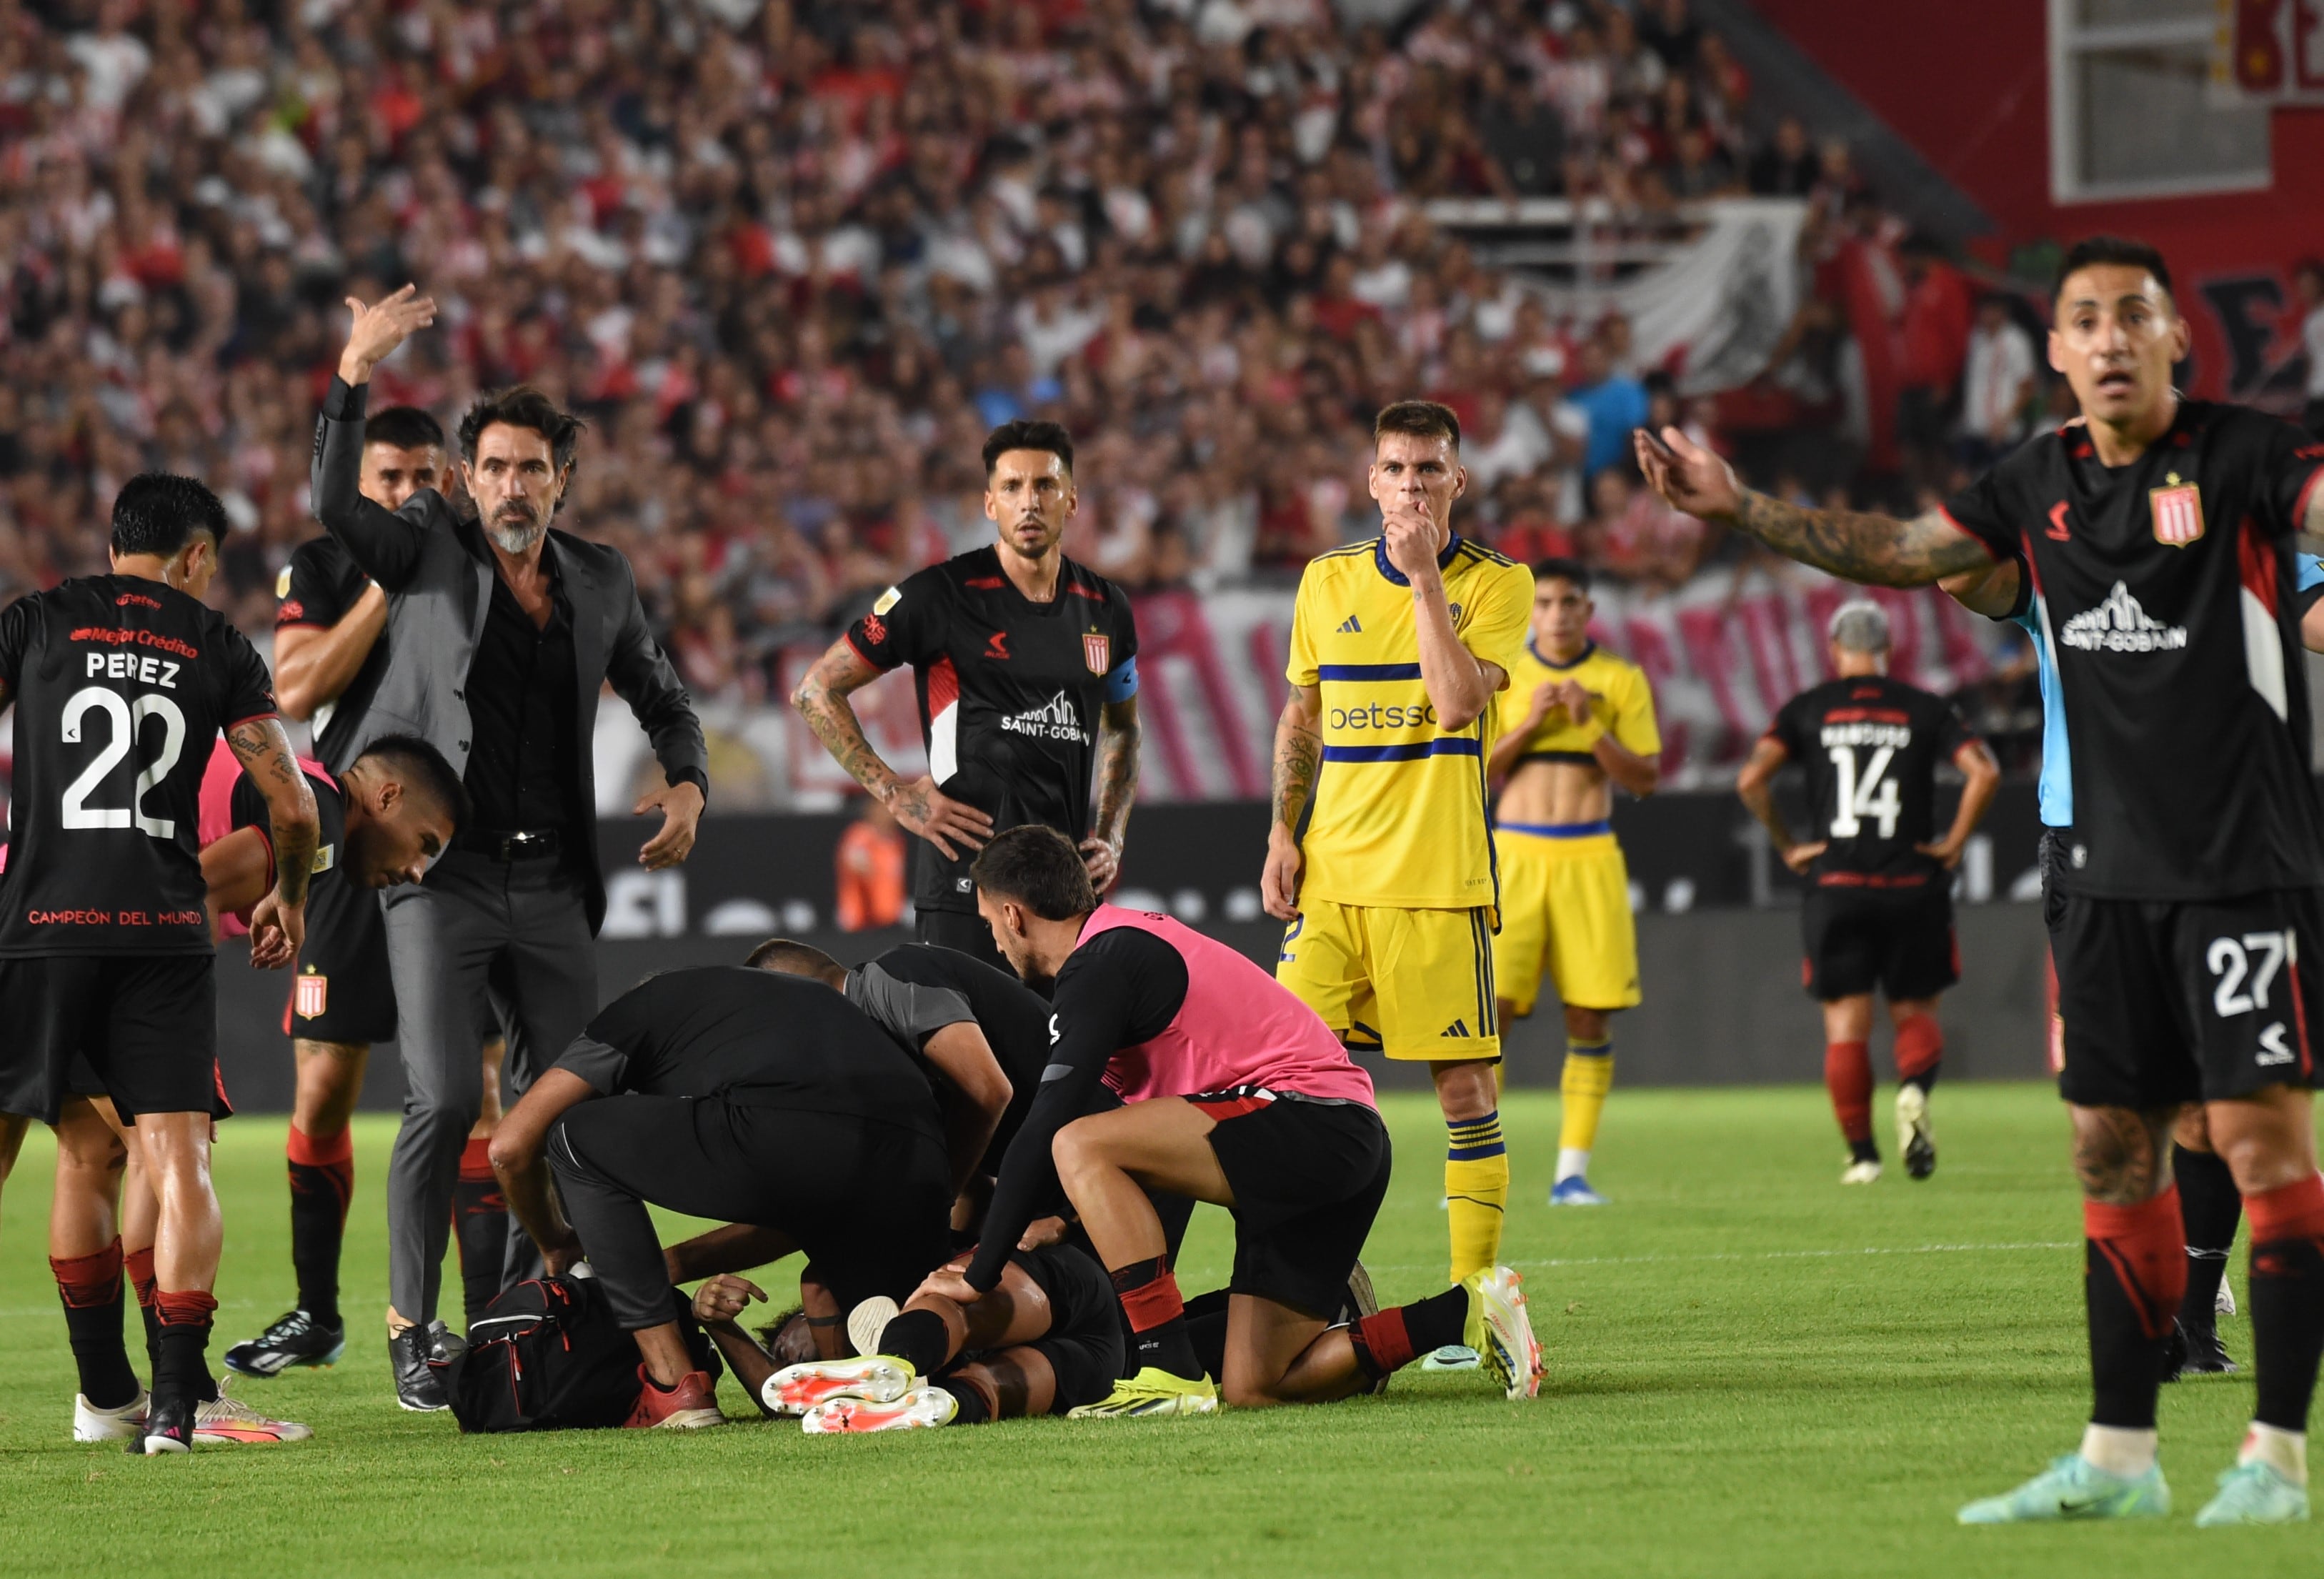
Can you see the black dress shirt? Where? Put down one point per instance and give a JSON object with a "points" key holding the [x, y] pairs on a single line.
{"points": [[524, 774]]}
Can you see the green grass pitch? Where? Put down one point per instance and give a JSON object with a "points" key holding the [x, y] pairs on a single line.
{"points": [[1751, 1371]]}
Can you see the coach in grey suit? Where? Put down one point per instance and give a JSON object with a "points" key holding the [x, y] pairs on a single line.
{"points": [[502, 633]]}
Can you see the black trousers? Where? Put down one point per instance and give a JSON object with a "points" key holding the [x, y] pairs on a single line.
{"points": [[867, 1202], [513, 934]]}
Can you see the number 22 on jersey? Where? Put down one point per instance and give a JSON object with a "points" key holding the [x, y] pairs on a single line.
{"points": [[124, 723]]}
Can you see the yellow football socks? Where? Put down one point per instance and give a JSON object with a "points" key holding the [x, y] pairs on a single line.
{"points": [[1589, 1075], [1476, 1191]]}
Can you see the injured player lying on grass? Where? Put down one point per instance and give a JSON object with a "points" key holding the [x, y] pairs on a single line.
{"points": [[1047, 1340]]}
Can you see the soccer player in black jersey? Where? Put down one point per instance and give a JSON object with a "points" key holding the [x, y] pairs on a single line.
{"points": [[1880, 914], [380, 824], [330, 649], [1027, 670], [2151, 540], [120, 683]]}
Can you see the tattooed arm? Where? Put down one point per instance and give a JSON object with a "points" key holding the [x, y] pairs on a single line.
{"points": [[264, 750], [821, 699], [1299, 754], [1879, 550], [1117, 787]]}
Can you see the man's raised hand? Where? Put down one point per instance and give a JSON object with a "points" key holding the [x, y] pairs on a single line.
{"points": [[378, 329], [1688, 476]]}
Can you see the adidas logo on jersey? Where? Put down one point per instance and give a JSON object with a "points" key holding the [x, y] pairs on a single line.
{"points": [[2120, 625], [1458, 1028], [1349, 627], [1054, 719]]}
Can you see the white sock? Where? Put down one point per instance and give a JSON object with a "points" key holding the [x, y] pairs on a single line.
{"points": [[2285, 1451], [2119, 1449], [1571, 1163]]}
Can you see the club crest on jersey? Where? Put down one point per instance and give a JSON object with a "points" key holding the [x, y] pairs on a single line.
{"points": [[1097, 647], [312, 996], [2177, 514]]}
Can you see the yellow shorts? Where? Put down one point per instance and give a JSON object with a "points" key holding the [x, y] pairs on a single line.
{"points": [[1414, 984], [1565, 909]]}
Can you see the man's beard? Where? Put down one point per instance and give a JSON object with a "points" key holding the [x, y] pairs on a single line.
{"points": [[510, 538]]}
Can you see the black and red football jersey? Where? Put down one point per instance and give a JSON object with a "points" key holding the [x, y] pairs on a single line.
{"points": [[319, 587], [1870, 746], [2164, 595], [1010, 692], [120, 685]]}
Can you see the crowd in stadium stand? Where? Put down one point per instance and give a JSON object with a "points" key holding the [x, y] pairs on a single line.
{"points": [[792, 262]]}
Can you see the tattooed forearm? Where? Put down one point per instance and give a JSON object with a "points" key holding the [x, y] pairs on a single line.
{"points": [[1117, 770], [2122, 1156], [821, 699], [1879, 550], [1298, 751], [264, 750]]}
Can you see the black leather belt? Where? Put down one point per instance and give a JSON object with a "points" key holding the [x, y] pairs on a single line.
{"points": [[509, 845]]}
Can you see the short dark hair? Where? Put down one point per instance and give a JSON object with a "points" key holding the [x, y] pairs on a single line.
{"points": [[793, 958], [1039, 868], [156, 512], [2093, 251], [1028, 433], [1420, 418], [794, 1327], [421, 765], [521, 407], [1555, 568], [404, 427]]}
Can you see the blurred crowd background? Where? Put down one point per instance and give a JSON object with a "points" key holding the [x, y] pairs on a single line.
{"points": [[793, 260]]}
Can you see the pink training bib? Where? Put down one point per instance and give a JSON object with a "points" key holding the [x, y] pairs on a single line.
{"points": [[1238, 1027]]}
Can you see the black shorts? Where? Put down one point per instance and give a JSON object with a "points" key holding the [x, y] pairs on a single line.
{"points": [[1083, 1344], [342, 991], [2191, 1001], [144, 1029], [1308, 1178], [1899, 940]]}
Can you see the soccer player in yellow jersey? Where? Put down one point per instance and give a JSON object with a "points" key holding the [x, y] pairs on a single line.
{"points": [[1381, 854], [1576, 722]]}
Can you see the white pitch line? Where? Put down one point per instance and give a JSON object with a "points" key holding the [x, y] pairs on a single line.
{"points": [[1770, 1255]]}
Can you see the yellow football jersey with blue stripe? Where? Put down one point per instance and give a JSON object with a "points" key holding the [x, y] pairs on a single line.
{"points": [[1621, 702], [1398, 816]]}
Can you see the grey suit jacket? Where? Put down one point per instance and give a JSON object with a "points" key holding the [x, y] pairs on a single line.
{"points": [[437, 569]]}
